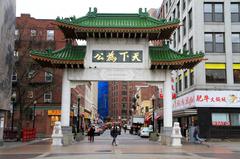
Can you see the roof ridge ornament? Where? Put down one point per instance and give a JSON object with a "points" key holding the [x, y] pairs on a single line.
{"points": [[143, 14], [92, 13]]}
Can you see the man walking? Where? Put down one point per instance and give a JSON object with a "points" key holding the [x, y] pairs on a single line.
{"points": [[114, 133]]}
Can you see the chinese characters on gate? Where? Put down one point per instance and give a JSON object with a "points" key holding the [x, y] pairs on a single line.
{"points": [[117, 56]]}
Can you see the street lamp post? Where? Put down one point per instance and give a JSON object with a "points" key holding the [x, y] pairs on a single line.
{"points": [[34, 111], [78, 113], [13, 103], [153, 102]]}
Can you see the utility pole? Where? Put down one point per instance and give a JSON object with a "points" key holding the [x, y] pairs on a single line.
{"points": [[78, 113], [153, 107], [34, 111]]}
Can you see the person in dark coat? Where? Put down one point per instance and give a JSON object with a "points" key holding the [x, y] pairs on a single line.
{"points": [[114, 133], [91, 133]]}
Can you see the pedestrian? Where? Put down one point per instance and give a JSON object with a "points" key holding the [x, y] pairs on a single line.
{"points": [[198, 140], [114, 133], [91, 133], [125, 128]]}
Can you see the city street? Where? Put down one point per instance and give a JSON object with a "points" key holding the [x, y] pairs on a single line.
{"points": [[129, 147]]}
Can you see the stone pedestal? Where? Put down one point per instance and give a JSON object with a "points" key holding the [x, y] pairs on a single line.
{"points": [[176, 135], [57, 135], [67, 135], [153, 136], [166, 135]]}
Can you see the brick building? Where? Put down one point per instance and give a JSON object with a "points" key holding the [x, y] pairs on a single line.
{"points": [[121, 96], [36, 89]]}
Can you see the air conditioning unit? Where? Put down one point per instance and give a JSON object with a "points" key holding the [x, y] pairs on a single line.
{"points": [[48, 100]]}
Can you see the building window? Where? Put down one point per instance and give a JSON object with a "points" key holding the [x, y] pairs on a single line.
{"points": [[14, 76], [220, 119], [191, 82], [190, 44], [225, 119], [235, 119], [214, 42], [15, 53], [124, 92], [174, 40], [146, 109], [180, 83], [183, 5], [166, 8], [50, 35], [184, 47], [17, 35], [48, 77], [178, 10], [215, 73], [31, 73], [235, 12], [33, 32], [190, 19], [124, 106], [48, 97], [236, 42], [236, 73], [179, 37], [184, 27], [185, 79], [174, 14], [213, 12]]}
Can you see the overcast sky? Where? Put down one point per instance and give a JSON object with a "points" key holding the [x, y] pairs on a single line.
{"points": [[50, 9]]}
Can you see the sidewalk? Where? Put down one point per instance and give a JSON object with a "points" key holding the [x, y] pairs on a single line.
{"points": [[14, 144]]}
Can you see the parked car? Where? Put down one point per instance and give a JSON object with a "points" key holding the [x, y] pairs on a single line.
{"points": [[145, 131]]}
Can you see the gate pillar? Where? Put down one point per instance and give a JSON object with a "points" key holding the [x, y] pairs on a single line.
{"points": [[66, 100], [167, 101], [166, 131]]}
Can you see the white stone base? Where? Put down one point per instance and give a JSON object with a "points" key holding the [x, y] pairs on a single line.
{"points": [[57, 140], [176, 141]]}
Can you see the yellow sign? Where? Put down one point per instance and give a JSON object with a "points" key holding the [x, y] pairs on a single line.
{"points": [[54, 112], [57, 112]]}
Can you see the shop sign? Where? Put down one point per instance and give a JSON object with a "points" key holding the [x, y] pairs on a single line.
{"points": [[228, 99], [221, 123], [117, 56], [54, 112], [58, 112], [217, 98], [186, 101]]}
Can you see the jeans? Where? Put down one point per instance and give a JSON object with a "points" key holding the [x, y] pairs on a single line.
{"points": [[114, 141]]}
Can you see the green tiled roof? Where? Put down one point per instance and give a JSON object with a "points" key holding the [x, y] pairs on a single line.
{"points": [[164, 56], [68, 55], [111, 20], [161, 57], [99, 25]]}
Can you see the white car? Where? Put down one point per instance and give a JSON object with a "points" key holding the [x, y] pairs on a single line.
{"points": [[145, 131]]}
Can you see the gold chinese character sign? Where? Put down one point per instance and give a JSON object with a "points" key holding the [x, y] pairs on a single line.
{"points": [[117, 56]]}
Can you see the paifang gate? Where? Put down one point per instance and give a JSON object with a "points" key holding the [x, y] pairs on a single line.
{"points": [[117, 50]]}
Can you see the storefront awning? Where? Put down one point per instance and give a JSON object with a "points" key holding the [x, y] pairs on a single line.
{"points": [[185, 112]]}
